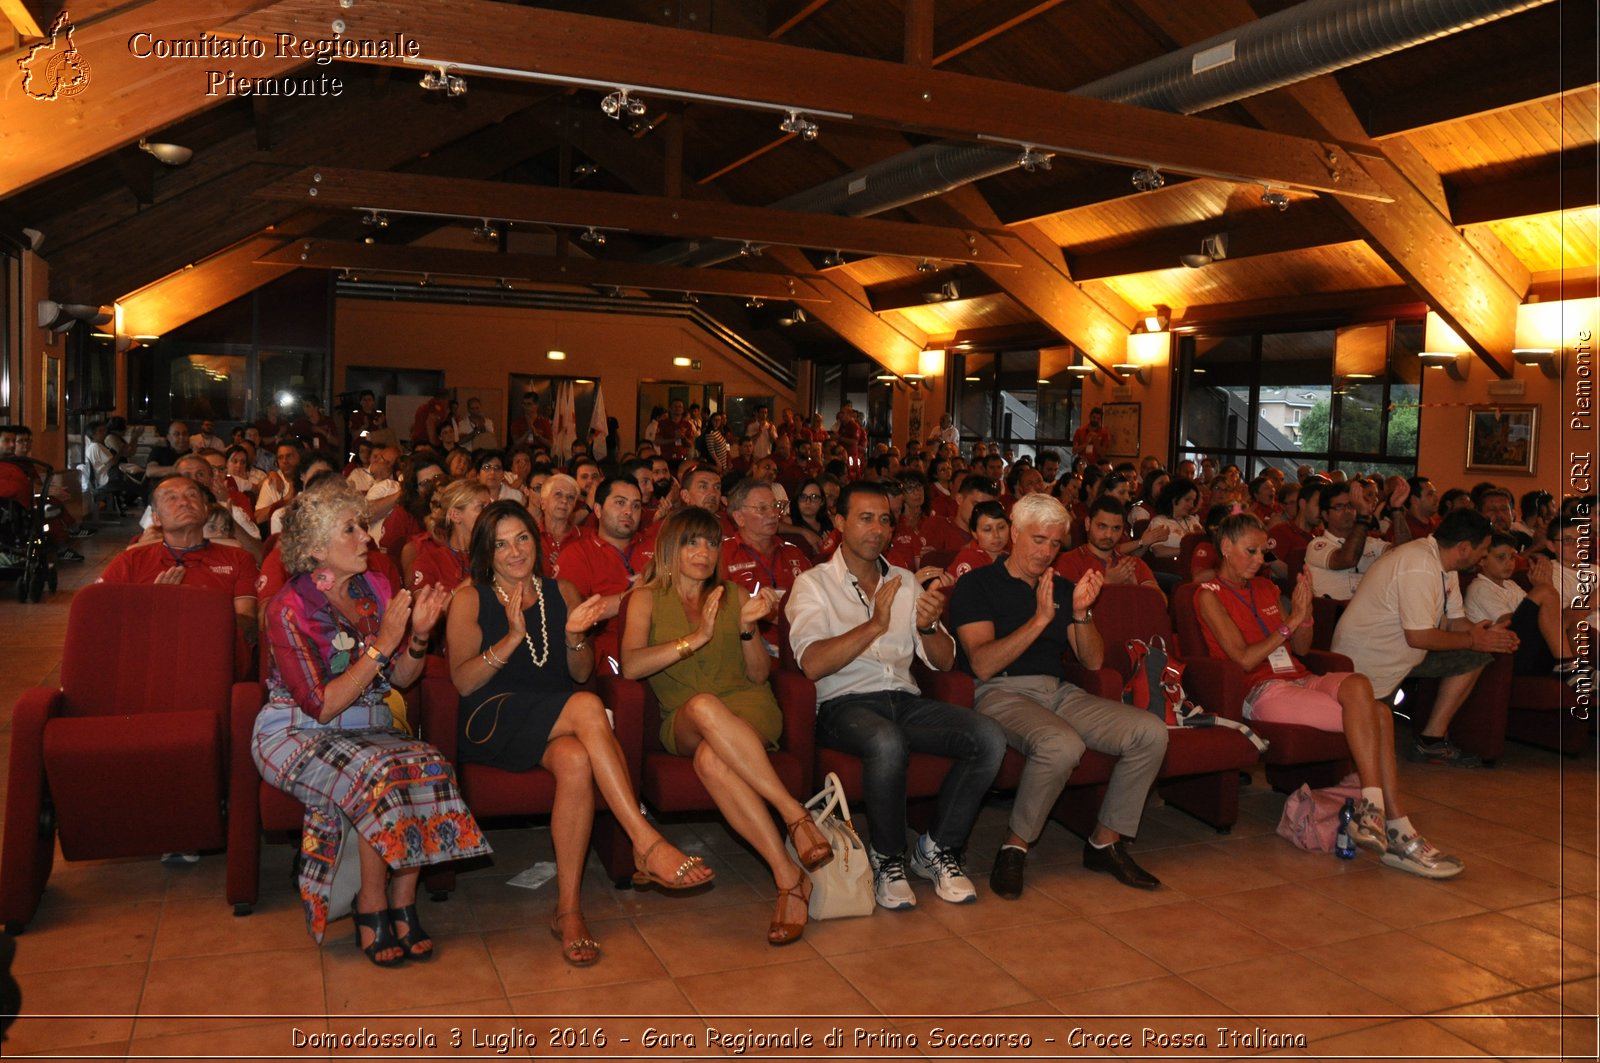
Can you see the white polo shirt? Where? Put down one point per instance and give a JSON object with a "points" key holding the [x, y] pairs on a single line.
{"points": [[1340, 583], [1407, 589], [1488, 600], [826, 602]]}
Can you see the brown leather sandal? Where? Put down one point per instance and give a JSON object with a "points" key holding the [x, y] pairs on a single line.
{"points": [[788, 933], [814, 851]]}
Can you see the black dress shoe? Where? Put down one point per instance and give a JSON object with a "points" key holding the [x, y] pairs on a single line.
{"points": [[1114, 860], [1006, 878]]}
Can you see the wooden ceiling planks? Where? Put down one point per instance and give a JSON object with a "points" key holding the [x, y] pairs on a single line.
{"points": [[1349, 266], [1558, 240], [217, 280]]}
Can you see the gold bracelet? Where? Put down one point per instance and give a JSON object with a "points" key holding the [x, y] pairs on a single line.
{"points": [[684, 649], [491, 658], [582, 645]]}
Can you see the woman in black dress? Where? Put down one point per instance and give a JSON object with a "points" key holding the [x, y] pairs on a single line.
{"points": [[518, 643]]}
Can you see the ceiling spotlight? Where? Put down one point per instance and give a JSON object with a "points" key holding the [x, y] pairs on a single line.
{"points": [[799, 125], [950, 290], [435, 80], [1158, 318], [426, 278], [1270, 198], [749, 250], [691, 298], [171, 154], [924, 266], [1148, 179], [375, 219], [591, 235], [795, 317], [620, 103], [1213, 248], [455, 86], [834, 259], [486, 232], [1031, 159], [754, 304], [505, 285], [585, 169]]}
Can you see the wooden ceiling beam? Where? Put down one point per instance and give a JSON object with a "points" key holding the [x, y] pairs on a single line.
{"points": [[785, 15], [559, 45], [1307, 223], [893, 345], [333, 188], [312, 253], [217, 280], [125, 97], [1463, 281], [982, 23], [378, 130], [1568, 180]]}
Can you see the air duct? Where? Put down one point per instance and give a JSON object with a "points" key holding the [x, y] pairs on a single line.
{"points": [[1309, 39]]}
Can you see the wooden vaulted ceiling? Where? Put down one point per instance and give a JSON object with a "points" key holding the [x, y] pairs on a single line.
{"points": [[1464, 172]]}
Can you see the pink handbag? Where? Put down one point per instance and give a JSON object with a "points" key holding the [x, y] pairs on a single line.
{"points": [[1311, 817]]}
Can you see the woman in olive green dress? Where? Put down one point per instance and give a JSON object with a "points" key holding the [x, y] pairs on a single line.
{"points": [[693, 636]]}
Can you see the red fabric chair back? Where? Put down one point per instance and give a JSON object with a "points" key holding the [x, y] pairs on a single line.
{"points": [[1124, 612], [172, 648], [1186, 619]]}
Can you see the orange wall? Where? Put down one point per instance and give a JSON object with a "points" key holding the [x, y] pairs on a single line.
{"points": [[481, 346]]}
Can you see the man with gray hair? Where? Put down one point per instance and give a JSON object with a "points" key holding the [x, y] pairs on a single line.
{"points": [[1014, 619]]}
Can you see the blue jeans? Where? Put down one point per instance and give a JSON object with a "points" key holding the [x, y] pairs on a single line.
{"points": [[884, 729]]}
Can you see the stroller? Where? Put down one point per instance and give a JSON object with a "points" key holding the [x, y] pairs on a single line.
{"points": [[25, 550]]}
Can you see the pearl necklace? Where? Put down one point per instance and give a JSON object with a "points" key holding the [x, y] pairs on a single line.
{"points": [[539, 659]]}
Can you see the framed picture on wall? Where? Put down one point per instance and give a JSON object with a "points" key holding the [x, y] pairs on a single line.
{"points": [[1121, 419], [1502, 438]]}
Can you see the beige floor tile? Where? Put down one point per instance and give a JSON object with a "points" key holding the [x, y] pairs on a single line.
{"points": [[1392, 897], [1491, 884], [1288, 984], [1278, 856], [529, 960], [1574, 919], [232, 990], [1186, 937], [190, 928], [652, 997], [1510, 948], [1518, 1024], [1292, 915], [1203, 870], [882, 929], [1079, 956], [1089, 893], [717, 939], [87, 937], [810, 987], [916, 979], [460, 971], [1413, 975], [990, 912], [82, 1006], [464, 1027], [75, 884], [1576, 870]]}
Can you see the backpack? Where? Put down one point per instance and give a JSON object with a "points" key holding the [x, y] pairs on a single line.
{"points": [[1156, 686]]}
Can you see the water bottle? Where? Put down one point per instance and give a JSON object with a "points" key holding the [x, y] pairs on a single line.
{"points": [[1343, 847]]}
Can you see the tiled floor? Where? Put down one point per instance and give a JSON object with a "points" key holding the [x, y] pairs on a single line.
{"points": [[134, 958]]}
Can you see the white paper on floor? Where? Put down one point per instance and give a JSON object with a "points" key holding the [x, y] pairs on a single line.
{"points": [[535, 876]]}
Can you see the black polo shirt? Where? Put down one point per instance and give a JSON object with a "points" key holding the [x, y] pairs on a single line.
{"points": [[992, 593]]}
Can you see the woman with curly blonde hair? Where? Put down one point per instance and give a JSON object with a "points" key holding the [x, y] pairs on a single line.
{"points": [[340, 640]]}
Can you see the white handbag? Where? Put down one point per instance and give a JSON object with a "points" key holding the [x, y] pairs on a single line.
{"points": [[843, 886]]}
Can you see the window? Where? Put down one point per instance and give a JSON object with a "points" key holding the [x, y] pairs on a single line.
{"points": [[1334, 398], [1022, 400]]}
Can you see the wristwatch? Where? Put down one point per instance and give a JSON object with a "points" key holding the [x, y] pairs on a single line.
{"points": [[934, 630], [377, 655], [1088, 617], [1283, 631], [746, 636]]}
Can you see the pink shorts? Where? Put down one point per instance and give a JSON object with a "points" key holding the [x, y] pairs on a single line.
{"points": [[1312, 701]]}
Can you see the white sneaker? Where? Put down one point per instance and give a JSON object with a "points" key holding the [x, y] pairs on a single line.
{"points": [[1413, 853], [943, 868], [890, 887]]}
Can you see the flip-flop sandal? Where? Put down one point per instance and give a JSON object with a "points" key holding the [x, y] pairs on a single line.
{"points": [[579, 952]]}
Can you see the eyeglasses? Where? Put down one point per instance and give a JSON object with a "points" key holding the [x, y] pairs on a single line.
{"points": [[1342, 505], [760, 511], [811, 497], [492, 467]]}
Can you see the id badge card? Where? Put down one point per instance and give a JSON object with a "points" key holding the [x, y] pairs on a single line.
{"points": [[1280, 660]]}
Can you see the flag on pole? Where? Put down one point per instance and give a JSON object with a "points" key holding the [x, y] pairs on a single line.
{"points": [[599, 428], [566, 421]]}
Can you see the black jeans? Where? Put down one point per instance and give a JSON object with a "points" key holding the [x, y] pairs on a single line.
{"points": [[884, 729]]}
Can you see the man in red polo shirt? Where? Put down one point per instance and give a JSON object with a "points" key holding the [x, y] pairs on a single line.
{"points": [[1105, 522], [180, 508], [948, 535], [754, 557], [702, 486], [609, 562]]}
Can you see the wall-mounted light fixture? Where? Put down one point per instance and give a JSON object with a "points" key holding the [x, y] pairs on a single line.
{"points": [[1451, 362], [1085, 371], [170, 154], [1546, 359], [556, 356], [1128, 369]]}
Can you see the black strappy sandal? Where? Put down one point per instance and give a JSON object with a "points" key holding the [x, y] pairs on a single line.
{"points": [[382, 937], [414, 935]]}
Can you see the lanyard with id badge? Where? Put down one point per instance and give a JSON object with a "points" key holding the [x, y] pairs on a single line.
{"points": [[1280, 659]]}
